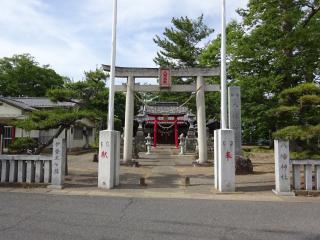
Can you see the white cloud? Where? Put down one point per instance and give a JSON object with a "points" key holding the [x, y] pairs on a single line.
{"points": [[74, 35], [27, 27]]}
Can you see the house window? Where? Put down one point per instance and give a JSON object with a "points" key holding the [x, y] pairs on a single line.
{"points": [[8, 136], [78, 133]]}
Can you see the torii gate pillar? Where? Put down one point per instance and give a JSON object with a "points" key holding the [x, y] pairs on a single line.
{"points": [[128, 126], [201, 122]]}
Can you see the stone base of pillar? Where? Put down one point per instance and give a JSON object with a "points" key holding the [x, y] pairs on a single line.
{"points": [[109, 159], [226, 160]]}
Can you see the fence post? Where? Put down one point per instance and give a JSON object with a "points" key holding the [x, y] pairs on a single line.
{"points": [[39, 171], [22, 168], [282, 168], [47, 171], [58, 163], [13, 175], [308, 177], [296, 176], [5, 171]]}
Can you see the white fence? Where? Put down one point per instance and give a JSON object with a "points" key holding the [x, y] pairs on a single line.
{"points": [[35, 168], [26, 168], [308, 166], [283, 166]]}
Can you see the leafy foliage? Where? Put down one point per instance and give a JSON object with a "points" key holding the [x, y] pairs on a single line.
{"points": [[90, 98], [23, 144], [50, 119], [91, 95], [274, 47], [180, 45], [301, 121], [298, 132], [21, 75]]}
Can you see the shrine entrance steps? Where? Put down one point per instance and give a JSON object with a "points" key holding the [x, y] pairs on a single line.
{"points": [[165, 170]]}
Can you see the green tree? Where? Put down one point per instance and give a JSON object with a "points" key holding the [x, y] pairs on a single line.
{"points": [[21, 75], [210, 57], [90, 98], [180, 44], [274, 47], [298, 116], [59, 119]]}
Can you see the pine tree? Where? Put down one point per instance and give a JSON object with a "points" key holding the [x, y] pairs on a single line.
{"points": [[297, 117], [180, 44]]}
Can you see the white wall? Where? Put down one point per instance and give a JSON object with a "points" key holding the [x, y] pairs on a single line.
{"points": [[9, 112], [23, 133], [71, 142]]}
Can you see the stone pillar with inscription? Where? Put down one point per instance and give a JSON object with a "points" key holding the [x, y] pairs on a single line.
{"points": [[58, 163], [226, 160], [234, 100], [282, 170], [109, 162]]}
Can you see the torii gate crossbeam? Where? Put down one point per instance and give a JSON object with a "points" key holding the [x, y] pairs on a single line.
{"points": [[200, 88]]}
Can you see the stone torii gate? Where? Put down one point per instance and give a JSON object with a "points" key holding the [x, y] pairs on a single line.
{"points": [[200, 88]]}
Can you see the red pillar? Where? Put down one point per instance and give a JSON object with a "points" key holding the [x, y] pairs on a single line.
{"points": [[176, 138], [155, 128]]}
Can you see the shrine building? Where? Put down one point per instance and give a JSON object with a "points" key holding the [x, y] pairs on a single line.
{"points": [[165, 121]]}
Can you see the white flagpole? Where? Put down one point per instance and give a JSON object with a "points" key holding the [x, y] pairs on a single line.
{"points": [[112, 70], [224, 113]]}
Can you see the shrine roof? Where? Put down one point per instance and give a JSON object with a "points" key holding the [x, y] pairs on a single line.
{"points": [[166, 108]]}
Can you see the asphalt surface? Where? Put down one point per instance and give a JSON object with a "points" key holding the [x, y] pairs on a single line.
{"points": [[37, 216]]}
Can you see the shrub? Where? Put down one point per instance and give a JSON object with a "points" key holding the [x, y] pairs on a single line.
{"points": [[22, 145]]}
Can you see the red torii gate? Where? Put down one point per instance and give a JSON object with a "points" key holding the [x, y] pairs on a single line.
{"points": [[155, 122]]}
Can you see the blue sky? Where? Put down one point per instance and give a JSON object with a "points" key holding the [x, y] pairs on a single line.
{"points": [[74, 36]]}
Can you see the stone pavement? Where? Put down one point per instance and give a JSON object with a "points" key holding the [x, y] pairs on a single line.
{"points": [[165, 171]]}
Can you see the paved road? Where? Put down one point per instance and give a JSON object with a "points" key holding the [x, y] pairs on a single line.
{"points": [[34, 216]]}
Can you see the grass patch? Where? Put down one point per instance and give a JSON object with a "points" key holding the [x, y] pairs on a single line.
{"points": [[261, 149]]}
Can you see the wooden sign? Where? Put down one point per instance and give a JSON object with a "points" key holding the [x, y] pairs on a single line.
{"points": [[165, 77]]}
